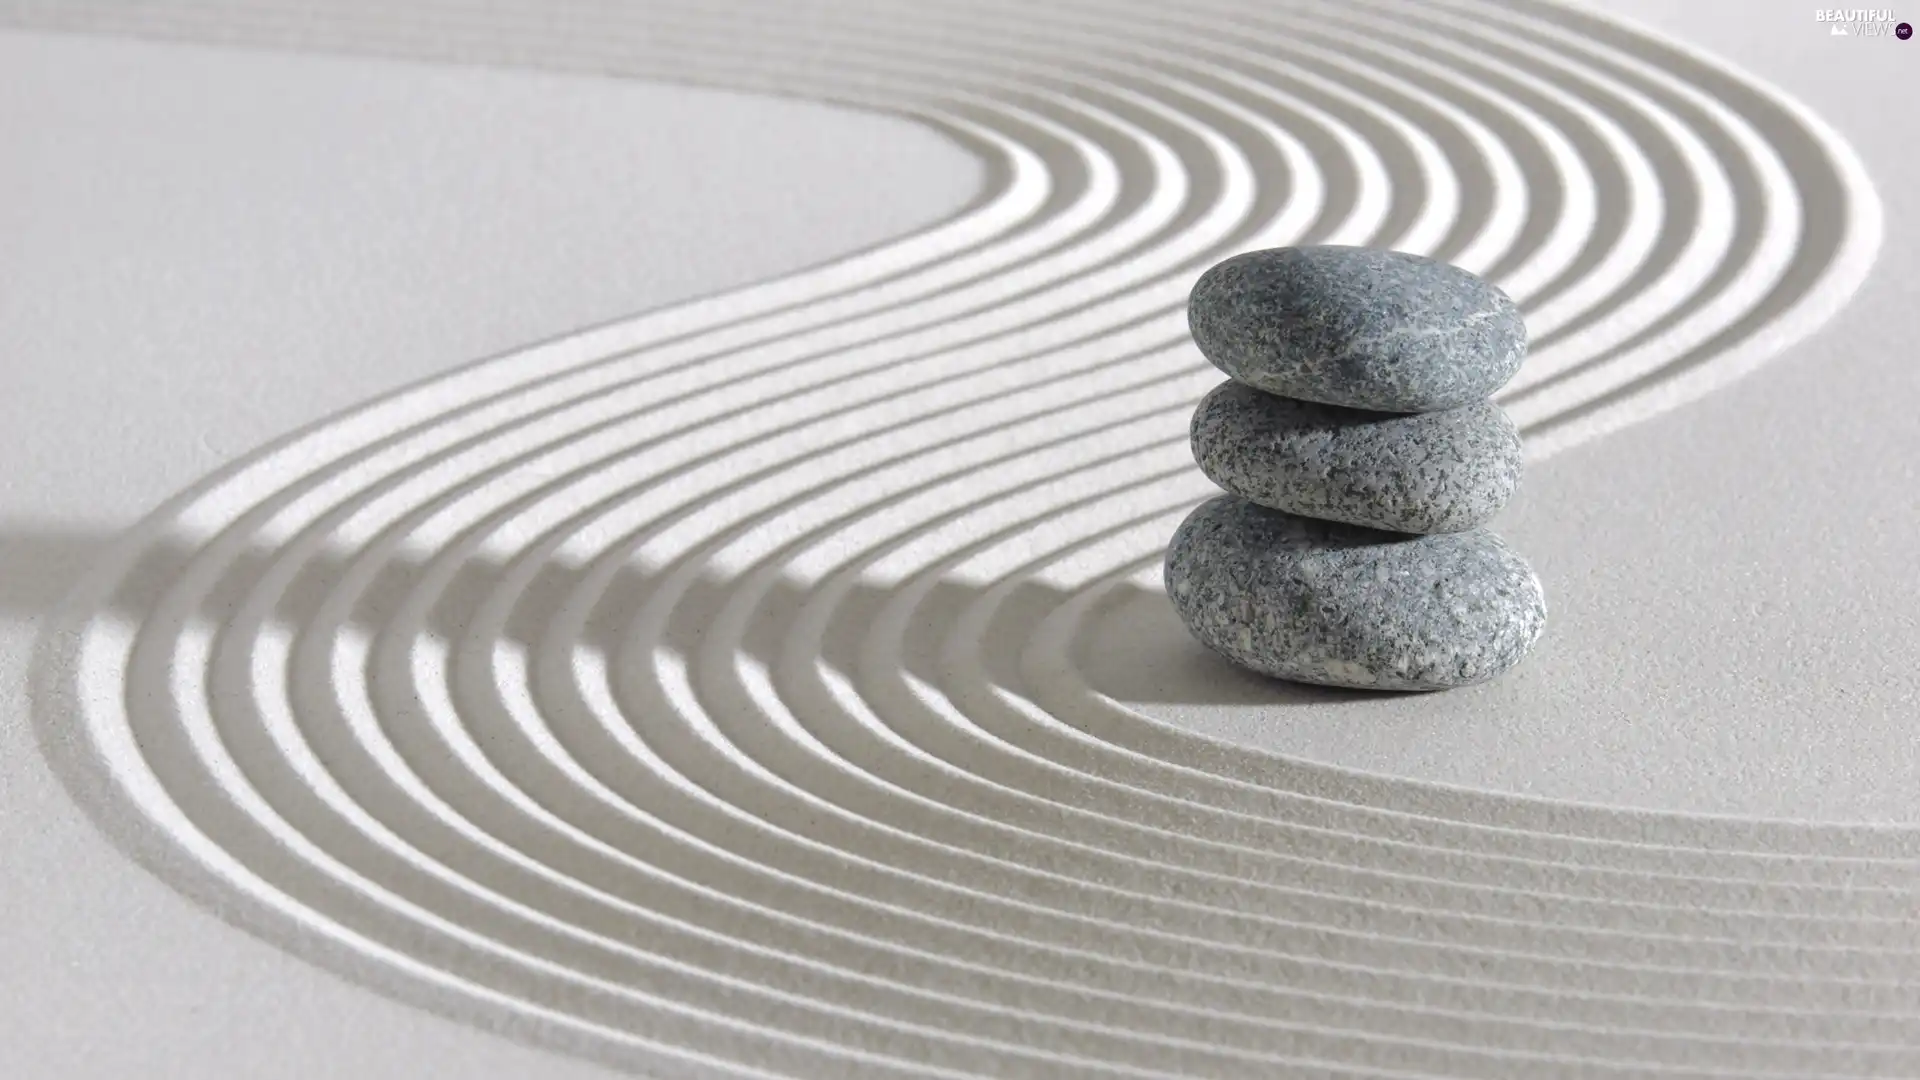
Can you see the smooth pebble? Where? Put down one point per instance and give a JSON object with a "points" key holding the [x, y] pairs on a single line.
{"points": [[1359, 327], [1435, 472], [1343, 605]]}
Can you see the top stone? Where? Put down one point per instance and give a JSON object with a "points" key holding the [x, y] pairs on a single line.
{"points": [[1359, 327]]}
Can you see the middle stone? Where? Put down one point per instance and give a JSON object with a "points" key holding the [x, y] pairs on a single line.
{"points": [[1437, 472]]}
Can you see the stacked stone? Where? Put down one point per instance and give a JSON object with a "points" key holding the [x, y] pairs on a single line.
{"points": [[1362, 460]]}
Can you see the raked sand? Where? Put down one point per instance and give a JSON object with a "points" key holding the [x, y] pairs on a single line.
{"points": [[776, 682]]}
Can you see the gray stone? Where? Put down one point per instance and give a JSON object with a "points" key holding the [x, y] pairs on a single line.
{"points": [[1436, 472], [1359, 327], [1343, 605]]}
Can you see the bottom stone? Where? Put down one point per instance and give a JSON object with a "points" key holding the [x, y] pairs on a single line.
{"points": [[1343, 605]]}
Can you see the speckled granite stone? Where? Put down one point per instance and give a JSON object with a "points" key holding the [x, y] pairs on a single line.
{"points": [[1359, 327], [1343, 605], [1432, 472]]}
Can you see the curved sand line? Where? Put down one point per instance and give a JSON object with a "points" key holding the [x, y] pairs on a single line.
{"points": [[701, 690]]}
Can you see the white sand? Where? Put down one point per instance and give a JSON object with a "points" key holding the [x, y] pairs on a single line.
{"points": [[777, 679]]}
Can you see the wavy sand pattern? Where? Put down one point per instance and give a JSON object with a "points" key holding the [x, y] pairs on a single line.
{"points": [[700, 692]]}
